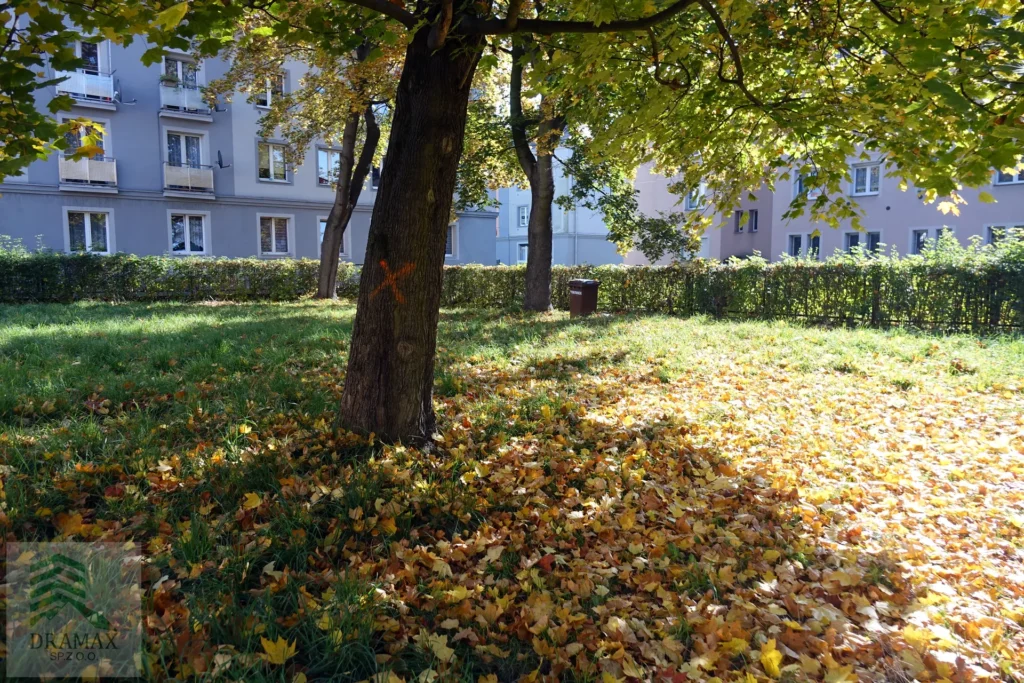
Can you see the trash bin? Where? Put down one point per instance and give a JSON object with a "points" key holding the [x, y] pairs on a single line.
{"points": [[582, 297]]}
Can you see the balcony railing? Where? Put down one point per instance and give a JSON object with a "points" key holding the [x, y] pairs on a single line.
{"points": [[88, 171], [181, 178], [183, 98], [98, 87]]}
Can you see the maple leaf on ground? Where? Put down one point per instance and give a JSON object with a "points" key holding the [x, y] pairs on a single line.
{"points": [[278, 651]]}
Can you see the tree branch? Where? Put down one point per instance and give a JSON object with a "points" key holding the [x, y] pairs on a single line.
{"points": [[495, 27], [527, 160], [673, 83], [388, 9], [734, 53], [512, 16], [442, 24]]}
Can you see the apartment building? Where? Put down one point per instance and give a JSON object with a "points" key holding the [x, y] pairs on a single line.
{"points": [[579, 235], [894, 220], [176, 177]]}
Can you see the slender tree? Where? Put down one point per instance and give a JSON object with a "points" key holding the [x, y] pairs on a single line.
{"points": [[937, 87], [351, 84]]}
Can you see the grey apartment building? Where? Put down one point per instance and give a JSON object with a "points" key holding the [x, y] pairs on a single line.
{"points": [[176, 177]]}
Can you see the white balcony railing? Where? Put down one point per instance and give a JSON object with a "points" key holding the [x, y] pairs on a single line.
{"points": [[88, 171], [182, 98], [86, 86], [188, 178]]}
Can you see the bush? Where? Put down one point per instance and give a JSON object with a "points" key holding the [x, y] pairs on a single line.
{"points": [[948, 287]]}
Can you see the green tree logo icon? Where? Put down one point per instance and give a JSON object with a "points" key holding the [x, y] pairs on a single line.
{"points": [[57, 582]]}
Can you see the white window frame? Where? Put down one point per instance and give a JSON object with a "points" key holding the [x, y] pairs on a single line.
{"points": [[206, 232], [106, 136], [346, 238], [268, 91], [743, 223], [204, 144], [799, 189], [1016, 178], [181, 57], [692, 203], [1016, 226], [933, 232], [866, 167], [519, 251], [330, 151], [270, 158], [290, 231], [454, 227], [102, 55], [805, 244], [523, 216], [111, 249]]}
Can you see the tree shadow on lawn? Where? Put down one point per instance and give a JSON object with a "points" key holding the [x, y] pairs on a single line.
{"points": [[603, 535]]}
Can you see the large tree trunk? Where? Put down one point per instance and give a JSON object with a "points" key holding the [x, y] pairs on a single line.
{"points": [[350, 185], [389, 385]]}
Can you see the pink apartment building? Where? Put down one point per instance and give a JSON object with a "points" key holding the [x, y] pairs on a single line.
{"points": [[893, 219]]}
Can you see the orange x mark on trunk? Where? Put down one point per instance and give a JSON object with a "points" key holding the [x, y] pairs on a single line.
{"points": [[391, 280]]}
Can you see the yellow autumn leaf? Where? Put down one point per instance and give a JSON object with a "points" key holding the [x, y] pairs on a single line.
{"points": [[627, 520], [840, 674], [770, 659], [244, 429], [252, 501], [278, 651], [771, 555]]}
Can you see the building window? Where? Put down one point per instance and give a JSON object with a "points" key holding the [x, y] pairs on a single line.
{"points": [[746, 221], [694, 198], [188, 233], [804, 245], [804, 185], [271, 162], [82, 134], [274, 238], [524, 216], [869, 241], [1009, 178], [184, 149], [89, 53], [342, 250], [867, 180], [89, 231], [922, 238], [274, 88], [450, 240], [994, 234], [522, 253], [181, 72], [328, 163], [375, 177]]}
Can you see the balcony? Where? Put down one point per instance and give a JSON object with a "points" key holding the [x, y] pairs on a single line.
{"points": [[95, 174], [87, 88], [183, 102], [188, 181]]}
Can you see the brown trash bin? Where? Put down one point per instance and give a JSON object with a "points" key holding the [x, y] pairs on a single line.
{"points": [[582, 297]]}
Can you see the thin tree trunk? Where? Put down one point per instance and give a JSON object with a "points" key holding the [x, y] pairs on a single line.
{"points": [[540, 235], [346, 196], [539, 172], [389, 384], [337, 219]]}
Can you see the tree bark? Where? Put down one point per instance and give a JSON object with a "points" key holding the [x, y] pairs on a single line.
{"points": [[539, 171], [350, 185], [389, 385]]}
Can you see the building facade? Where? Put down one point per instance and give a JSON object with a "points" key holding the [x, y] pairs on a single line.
{"points": [[174, 177], [895, 221], [579, 235]]}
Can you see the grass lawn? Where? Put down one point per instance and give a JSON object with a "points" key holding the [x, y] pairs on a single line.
{"points": [[618, 498]]}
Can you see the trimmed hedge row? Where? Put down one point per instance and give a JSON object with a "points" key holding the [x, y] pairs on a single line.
{"points": [[978, 295]]}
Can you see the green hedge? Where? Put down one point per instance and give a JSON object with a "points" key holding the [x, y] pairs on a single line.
{"points": [[975, 291]]}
